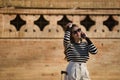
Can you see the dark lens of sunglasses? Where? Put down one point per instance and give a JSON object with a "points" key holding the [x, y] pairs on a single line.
{"points": [[78, 30], [75, 32]]}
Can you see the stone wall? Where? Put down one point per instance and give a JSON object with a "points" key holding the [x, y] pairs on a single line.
{"points": [[31, 40], [61, 3]]}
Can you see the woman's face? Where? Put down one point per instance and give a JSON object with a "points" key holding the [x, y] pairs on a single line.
{"points": [[76, 33]]}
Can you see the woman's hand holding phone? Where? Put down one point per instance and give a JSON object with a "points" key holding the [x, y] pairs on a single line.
{"points": [[83, 35]]}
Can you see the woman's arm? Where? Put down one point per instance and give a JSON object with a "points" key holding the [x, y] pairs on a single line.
{"points": [[91, 46], [67, 35]]}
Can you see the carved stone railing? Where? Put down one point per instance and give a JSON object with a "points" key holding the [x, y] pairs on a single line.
{"points": [[49, 23]]}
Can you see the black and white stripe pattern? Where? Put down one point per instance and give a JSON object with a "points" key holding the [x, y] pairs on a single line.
{"points": [[77, 52]]}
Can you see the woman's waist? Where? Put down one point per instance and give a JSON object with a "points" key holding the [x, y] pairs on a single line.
{"points": [[73, 62], [76, 64]]}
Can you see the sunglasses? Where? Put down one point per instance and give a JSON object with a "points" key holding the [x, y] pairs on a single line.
{"points": [[75, 32]]}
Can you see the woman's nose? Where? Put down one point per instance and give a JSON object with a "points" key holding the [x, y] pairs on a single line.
{"points": [[78, 32]]}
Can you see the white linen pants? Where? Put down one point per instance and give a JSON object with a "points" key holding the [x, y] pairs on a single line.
{"points": [[77, 71]]}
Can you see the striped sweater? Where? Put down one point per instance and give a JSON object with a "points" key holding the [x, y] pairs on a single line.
{"points": [[78, 52]]}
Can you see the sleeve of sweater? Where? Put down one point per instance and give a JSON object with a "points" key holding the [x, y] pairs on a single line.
{"points": [[92, 48], [67, 38]]}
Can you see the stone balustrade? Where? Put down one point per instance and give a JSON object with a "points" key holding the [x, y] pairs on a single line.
{"points": [[43, 23]]}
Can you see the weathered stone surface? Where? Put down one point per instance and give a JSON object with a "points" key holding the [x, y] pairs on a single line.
{"points": [[61, 3], [32, 54], [43, 59]]}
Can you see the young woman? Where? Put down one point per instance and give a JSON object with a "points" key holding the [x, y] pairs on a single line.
{"points": [[77, 52]]}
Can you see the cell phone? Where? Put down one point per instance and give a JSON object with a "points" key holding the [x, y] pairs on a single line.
{"points": [[83, 35]]}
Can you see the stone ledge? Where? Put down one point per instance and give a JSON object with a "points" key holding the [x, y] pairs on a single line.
{"points": [[61, 11]]}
